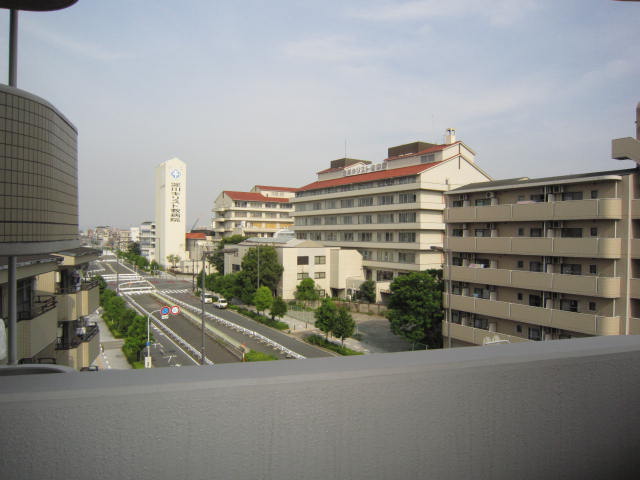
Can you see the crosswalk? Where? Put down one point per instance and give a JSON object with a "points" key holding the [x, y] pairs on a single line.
{"points": [[175, 290]]}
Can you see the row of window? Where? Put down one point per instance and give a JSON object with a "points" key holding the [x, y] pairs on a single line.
{"points": [[400, 237], [534, 333], [534, 266], [316, 275], [533, 232], [538, 197], [366, 219], [388, 199], [244, 214], [317, 260], [241, 204], [359, 186]]}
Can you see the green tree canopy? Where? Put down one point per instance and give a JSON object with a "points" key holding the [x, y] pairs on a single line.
{"points": [[279, 308], [325, 316], [344, 325], [134, 248], [306, 290], [367, 291], [262, 299], [262, 259], [217, 258], [415, 307]]}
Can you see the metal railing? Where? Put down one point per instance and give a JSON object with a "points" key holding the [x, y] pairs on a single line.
{"points": [[91, 330], [41, 305]]}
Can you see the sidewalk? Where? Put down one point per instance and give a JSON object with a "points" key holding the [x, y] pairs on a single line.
{"points": [[111, 356]]}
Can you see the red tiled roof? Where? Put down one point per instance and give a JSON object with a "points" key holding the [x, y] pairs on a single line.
{"points": [[277, 189], [368, 177], [197, 236], [253, 197], [437, 148]]}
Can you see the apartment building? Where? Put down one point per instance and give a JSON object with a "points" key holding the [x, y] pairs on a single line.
{"points": [[337, 272], [391, 212], [148, 240], [261, 212], [545, 258]]}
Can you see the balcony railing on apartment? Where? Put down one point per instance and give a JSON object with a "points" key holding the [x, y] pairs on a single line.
{"points": [[91, 330], [41, 305]]}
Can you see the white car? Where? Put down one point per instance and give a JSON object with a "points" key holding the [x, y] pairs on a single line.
{"points": [[220, 303], [208, 298]]}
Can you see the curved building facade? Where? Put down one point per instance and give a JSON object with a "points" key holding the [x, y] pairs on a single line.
{"points": [[38, 176]]}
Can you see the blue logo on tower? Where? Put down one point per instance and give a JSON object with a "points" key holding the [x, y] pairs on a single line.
{"points": [[175, 173]]}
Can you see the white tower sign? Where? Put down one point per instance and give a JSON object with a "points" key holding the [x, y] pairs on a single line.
{"points": [[171, 210]]}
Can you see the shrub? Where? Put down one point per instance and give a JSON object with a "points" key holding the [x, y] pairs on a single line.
{"points": [[334, 347]]}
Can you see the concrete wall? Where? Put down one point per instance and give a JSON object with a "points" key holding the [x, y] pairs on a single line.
{"points": [[558, 409]]}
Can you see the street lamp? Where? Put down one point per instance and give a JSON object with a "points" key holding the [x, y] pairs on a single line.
{"points": [[447, 261], [205, 253]]}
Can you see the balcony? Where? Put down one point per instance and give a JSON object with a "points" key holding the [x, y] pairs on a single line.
{"points": [[586, 323], [635, 288], [598, 209], [566, 247], [476, 336], [635, 208], [37, 326], [78, 302], [81, 350], [635, 248], [589, 285]]}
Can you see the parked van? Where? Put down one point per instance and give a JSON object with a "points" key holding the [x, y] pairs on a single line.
{"points": [[220, 303]]}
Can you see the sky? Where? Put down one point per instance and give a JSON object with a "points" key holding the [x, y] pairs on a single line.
{"points": [[269, 92]]}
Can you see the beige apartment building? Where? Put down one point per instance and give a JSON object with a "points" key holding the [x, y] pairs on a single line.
{"points": [[337, 272], [260, 212], [543, 259], [391, 212]]}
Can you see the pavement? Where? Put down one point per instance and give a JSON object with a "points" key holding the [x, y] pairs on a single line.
{"points": [[111, 356]]}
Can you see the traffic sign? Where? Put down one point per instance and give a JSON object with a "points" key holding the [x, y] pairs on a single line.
{"points": [[175, 310], [165, 317], [164, 310]]}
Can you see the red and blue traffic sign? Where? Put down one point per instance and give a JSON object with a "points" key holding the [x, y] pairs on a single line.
{"points": [[165, 310]]}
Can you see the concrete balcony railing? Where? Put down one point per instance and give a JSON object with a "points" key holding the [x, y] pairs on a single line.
{"points": [[587, 323], [589, 285], [476, 336], [446, 414], [566, 247], [635, 288], [81, 351], [605, 208], [634, 326], [635, 248], [37, 329], [635, 208], [75, 303]]}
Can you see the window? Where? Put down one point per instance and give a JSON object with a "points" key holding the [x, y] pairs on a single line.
{"points": [[255, 204], [271, 205], [241, 204], [302, 275], [385, 218], [519, 296], [404, 257], [521, 232], [385, 236], [571, 269], [347, 236], [535, 300], [235, 267], [519, 328], [571, 233], [429, 158], [569, 305], [366, 254], [317, 206], [457, 232], [346, 220], [382, 275], [301, 235], [594, 231], [303, 260], [534, 333], [535, 266], [478, 292], [407, 237], [407, 217], [385, 200], [457, 203], [365, 219], [271, 215], [520, 264], [482, 232], [330, 204], [331, 236], [592, 306], [385, 256], [346, 203], [535, 232], [593, 269], [594, 193], [482, 323], [572, 196], [316, 221], [333, 220], [409, 198], [301, 207], [366, 201], [481, 202], [319, 275], [365, 236], [520, 198], [457, 261], [315, 235], [537, 198]]}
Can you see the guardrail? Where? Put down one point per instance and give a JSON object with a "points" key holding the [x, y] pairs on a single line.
{"points": [[42, 304], [245, 331], [170, 333]]}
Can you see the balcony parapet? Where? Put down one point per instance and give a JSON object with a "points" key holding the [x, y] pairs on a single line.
{"points": [[598, 247], [604, 208], [476, 336], [590, 285], [587, 323], [41, 305]]}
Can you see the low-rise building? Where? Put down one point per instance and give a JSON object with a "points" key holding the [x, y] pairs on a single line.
{"points": [[148, 240], [336, 271], [260, 212]]}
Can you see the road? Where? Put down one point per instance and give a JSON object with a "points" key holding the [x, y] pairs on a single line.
{"points": [[190, 332]]}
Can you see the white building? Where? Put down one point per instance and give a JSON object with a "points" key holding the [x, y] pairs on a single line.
{"points": [[171, 209], [392, 212], [335, 270], [135, 234], [148, 240]]}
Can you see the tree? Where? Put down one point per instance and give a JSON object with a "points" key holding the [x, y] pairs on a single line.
{"points": [[134, 248], [262, 259], [226, 285], [344, 325], [279, 308], [415, 307], [173, 259], [217, 258], [262, 299], [306, 290], [367, 291], [325, 316]]}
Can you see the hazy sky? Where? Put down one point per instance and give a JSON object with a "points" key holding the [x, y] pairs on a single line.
{"points": [[266, 92]]}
